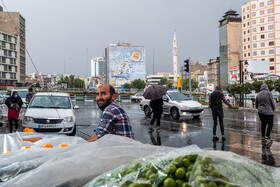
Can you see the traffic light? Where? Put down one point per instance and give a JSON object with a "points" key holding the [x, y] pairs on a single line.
{"points": [[186, 69]]}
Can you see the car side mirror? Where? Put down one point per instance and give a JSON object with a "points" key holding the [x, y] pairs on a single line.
{"points": [[76, 107], [166, 99]]}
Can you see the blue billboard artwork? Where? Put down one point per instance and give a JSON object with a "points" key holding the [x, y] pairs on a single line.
{"points": [[127, 62]]}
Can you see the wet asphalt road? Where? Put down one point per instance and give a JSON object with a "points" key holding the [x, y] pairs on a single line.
{"points": [[242, 131]]}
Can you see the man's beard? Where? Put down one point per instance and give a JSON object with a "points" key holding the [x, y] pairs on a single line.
{"points": [[109, 101]]}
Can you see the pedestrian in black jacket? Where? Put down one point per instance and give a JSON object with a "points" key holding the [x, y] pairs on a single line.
{"points": [[156, 106], [216, 105]]}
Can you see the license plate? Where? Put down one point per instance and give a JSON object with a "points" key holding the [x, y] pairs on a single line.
{"points": [[46, 126]]}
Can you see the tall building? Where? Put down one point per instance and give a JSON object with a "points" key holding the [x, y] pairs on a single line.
{"points": [[97, 66], [124, 63], [261, 33], [175, 58], [13, 24], [230, 46], [213, 72]]}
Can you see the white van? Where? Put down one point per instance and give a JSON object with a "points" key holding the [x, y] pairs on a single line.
{"points": [[51, 112]]}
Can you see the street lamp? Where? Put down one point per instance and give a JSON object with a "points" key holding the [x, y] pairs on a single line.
{"points": [[241, 80]]}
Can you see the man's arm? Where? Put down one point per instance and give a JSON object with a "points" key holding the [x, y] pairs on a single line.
{"points": [[225, 101]]}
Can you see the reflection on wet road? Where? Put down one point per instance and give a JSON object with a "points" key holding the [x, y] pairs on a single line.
{"points": [[242, 131]]}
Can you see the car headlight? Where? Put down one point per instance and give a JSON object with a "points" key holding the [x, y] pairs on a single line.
{"points": [[28, 119], [68, 119]]}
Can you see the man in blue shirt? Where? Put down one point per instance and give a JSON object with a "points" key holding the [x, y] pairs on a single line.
{"points": [[114, 120]]}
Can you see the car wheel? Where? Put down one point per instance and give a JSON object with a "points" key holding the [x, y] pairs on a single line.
{"points": [[228, 100], [147, 111], [175, 113], [74, 131]]}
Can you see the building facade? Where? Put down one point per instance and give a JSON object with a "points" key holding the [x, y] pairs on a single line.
{"points": [[8, 59], [124, 63], [154, 79], [213, 72], [97, 67], [13, 24], [230, 46], [261, 33]]}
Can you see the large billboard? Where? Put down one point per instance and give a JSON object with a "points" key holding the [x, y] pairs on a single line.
{"points": [[126, 64]]}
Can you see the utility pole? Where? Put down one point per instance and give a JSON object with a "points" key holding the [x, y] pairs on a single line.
{"points": [[182, 71], [190, 79]]}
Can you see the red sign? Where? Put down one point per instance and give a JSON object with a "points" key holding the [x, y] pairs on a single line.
{"points": [[232, 68]]}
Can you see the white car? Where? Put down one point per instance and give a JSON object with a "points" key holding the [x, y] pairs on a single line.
{"points": [[175, 104], [137, 97], [51, 112]]}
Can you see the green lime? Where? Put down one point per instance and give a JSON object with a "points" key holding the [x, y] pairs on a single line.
{"points": [[169, 182], [212, 184], [190, 167], [180, 173], [185, 184], [170, 168], [187, 175], [192, 158], [186, 162], [179, 182]]}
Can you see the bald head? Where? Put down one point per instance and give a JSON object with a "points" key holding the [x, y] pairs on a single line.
{"points": [[108, 87], [105, 94]]}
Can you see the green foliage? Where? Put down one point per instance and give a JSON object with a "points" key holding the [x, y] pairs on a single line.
{"points": [[138, 83], [256, 85], [166, 82], [270, 84], [37, 85], [277, 85], [194, 84], [126, 86], [72, 82], [246, 88]]}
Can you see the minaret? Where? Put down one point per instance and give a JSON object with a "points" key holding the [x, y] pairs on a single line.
{"points": [[175, 58]]}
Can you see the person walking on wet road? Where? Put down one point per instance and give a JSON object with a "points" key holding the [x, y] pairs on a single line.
{"points": [[215, 102], [156, 106], [266, 106], [14, 104], [114, 120]]}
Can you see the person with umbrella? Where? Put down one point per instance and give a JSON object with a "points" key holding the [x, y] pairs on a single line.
{"points": [[14, 104], [155, 93]]}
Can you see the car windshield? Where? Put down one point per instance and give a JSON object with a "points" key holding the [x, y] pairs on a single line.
{"points": [[50, 102], [3, 92], [22, 94], [176, 96]]}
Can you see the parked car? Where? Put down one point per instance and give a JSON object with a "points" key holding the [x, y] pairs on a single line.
{"points": [[175, 104], [137, 97], [51, 112]]}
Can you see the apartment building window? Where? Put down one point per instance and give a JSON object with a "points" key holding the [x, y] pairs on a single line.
{"points": [[3, 75], [244, 39], [262, 28], [5, 37], [270, 10], [271, 35], [261, 12], [247, 15], [255, 53], [262, 36], [248, 39], [254, 21], [262, 20], [269, 2], [254, 29], [254, 14], [5, 68], [271, 43], [249, 54], [270, 19], [263, 52], [244, 54], [271, 60], [248, 31], [5, 52], [263, 59], [3, 60], [255, 45], [262, 44], [244, 32], [271, 67], [254, 37], [248, 46], [261, 4], [270, 27], [244, 25], [3, 45], [253, 6], [248, 23], [244, 47], [271, 51], [243, 17]]}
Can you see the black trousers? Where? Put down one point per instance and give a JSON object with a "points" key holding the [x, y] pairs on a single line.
{"points": [[218, 114], [267, 122], [156, 116], [11, 122]]}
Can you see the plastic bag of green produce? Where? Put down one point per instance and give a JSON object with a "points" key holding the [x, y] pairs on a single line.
{"points": [[189, 166]]}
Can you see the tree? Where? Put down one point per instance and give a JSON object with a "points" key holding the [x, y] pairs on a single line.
{"points": [[234, 89], [270, 84], [138, 83], [277, 85], [194, 84], [256, 85], [246, 89], [166, 82], [127, 86]]}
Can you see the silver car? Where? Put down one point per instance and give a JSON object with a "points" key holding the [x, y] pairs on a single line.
{"points": [[175, 104]]}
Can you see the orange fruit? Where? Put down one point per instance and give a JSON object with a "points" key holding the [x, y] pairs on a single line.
{"points": [[8, 152], [63, 145], [25, 147], [26, 130], [31, 131], [47, 145]]}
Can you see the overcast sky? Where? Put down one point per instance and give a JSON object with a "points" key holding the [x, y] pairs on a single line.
{"points": [[63, 35]]}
